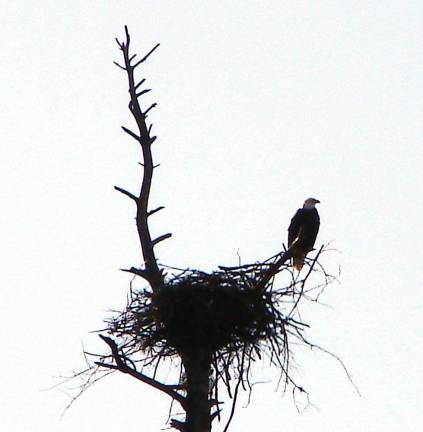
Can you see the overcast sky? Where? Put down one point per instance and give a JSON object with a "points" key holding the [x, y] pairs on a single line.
{"points": [[260, 105]]}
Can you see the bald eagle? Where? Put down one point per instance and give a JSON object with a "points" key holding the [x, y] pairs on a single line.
{"points": [[302, 232]]}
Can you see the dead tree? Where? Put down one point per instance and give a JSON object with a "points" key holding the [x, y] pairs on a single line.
{"points": [[216, 325]]}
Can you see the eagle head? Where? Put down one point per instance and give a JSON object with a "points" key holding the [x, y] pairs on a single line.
{"points": [[309, 203]]}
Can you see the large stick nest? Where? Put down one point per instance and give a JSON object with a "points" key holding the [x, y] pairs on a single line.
{"points": [[227, 313], [222, 310]]}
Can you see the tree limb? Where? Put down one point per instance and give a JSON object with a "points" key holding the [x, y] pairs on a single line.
{"points": [[146, 56], [294, 307], [179, 425], [151, 212], [123, 367], [274, 268], [161, 238], [152, 272], [139, 84], [106, 365], [119, 43], [138, 272], [128, 194], [150, 108], [119, 66], [142, 92], [132, 134]]}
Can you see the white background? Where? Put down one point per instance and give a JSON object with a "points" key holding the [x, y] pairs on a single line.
{"points": [[261, 104]]}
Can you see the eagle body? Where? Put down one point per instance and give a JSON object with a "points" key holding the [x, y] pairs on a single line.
{"points": [[302, 232]]}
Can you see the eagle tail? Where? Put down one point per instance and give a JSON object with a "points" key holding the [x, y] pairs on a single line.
{"points": [[298, 262]]}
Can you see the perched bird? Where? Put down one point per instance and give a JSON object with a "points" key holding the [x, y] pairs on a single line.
{"points": [[302, 232]]}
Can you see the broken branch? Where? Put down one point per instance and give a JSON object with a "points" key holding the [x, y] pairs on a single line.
{"points": [[151, 212], [146, 56], [161, 238], [119, 66], [139, 272], [150, 108], [139, 84], [132, 134], [143, 92], [127, 193]]}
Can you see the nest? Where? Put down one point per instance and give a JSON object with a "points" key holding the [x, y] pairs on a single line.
{"points": [[213, 311], [198, 310], [226, 313], [232, 317]]}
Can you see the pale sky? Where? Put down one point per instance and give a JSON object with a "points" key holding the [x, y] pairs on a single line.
{"points": [[260, 105]]}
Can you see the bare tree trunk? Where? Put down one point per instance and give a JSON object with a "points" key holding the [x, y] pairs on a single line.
{"points": [[197, 365]]}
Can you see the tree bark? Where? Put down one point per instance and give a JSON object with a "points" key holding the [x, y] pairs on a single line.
{"points": [[197, 366]]}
